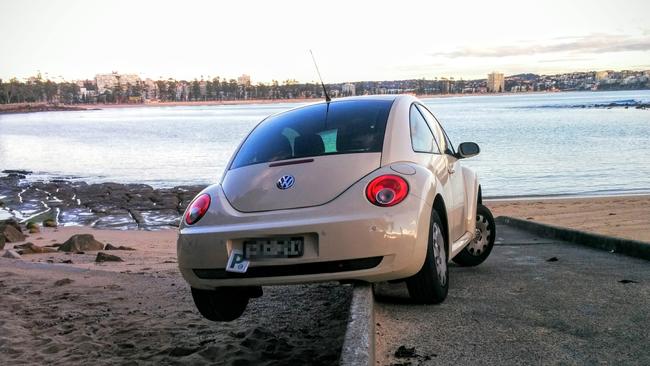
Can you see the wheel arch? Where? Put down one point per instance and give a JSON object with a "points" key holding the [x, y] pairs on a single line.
{"points": [[472, 198], [440, 208]]}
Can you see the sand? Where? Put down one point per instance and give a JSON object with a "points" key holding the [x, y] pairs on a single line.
{"points": [[155, 251], [619, 216], [140, 311]]}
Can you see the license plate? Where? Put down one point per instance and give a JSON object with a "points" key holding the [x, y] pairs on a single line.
{"points": [[274, 248]]}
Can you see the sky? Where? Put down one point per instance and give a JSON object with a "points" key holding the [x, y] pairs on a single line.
{"points": [[352, 40]]}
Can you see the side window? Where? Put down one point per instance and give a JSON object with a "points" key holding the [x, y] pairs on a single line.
{"points": [[422, 139], [435, 125]]}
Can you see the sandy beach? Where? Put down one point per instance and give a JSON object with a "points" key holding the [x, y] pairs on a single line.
{"points": [[62, 308], [58, 308], [619, 216]]}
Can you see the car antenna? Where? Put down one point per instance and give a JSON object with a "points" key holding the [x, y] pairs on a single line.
{"points": [[327, 97]]}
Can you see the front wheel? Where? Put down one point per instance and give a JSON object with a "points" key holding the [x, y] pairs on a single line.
{"points": [[431, 284], [480, 247], [222, 304]]}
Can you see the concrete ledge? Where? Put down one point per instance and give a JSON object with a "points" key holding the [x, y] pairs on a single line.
{"points": [[359, 343], [632, 248]]}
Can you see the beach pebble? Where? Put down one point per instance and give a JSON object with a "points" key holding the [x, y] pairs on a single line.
{"points": [[31, 248], [80, 243], [103, 257], [12, 254], [49, 223], [110, 246], [63, 281]]}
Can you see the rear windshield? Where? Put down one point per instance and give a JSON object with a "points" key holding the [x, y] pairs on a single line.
{"points": [[345, 127]]}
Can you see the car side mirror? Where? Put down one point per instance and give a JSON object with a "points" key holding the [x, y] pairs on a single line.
{"points": [[467, 150]]}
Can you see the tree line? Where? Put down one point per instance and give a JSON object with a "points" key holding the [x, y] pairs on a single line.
{"points": [[37, 89]]}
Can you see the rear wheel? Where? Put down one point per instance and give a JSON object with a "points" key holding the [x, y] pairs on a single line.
{"points": [[431, 283], [222, 304], [480, 247]]}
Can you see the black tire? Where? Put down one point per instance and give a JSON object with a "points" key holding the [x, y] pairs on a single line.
{"points": [[477, 251], [427, 286], [222, 304]]}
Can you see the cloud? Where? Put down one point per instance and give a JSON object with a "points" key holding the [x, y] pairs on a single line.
{"points": [[591, 44]]}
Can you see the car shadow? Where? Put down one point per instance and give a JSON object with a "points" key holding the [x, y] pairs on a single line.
{"points": [[392, 293], [396, 293]]}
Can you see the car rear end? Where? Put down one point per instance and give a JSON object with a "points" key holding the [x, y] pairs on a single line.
{"points": [[305, 199]]}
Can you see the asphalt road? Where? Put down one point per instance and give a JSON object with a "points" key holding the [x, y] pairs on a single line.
{"points": [[520, 308]]}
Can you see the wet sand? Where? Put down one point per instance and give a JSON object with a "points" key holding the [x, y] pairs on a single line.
{"points": [[619, 216]]}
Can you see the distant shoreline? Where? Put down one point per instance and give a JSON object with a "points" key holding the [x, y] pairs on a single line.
{"points": [[15, 108]]}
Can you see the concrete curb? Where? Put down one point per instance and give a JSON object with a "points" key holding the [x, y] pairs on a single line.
{"points": [[632, 248], [359, 343]]}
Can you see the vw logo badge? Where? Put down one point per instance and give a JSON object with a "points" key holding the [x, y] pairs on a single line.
{"points": [[286, 182]]}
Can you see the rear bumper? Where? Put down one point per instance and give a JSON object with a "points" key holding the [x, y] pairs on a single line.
{"points": [[345, 239]]}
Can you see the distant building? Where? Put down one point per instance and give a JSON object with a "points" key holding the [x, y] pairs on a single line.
{"points": [[601, 75], [150, 89], [444, 86], [109, 81], [105, 82], [495, 83], [203, 88], [348, 89], [244, 80]]}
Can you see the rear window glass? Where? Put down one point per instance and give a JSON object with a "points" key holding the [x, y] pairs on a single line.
{"points": [[344, 127]]}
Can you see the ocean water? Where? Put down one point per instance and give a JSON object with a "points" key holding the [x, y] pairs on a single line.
{"points": [[531, 144]]}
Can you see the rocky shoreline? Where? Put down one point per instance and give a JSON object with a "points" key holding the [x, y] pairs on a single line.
{"points": [[40, 107], [101, 206]]}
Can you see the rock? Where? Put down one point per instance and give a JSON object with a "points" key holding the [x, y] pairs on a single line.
{"points": [[80, 243], [405, 352], [31, 248], [12, 235], [12, 254], [2, 242], [34, 229], [17, 171], [49, 223], [110, 246], [63, 282], [11, 222], [103, 257]]}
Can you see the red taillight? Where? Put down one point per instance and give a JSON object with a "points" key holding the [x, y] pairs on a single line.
{"points": [[197, 209], [387, 190]]}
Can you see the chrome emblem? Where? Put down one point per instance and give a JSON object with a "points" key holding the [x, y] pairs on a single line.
{"points": [[286, 182]]}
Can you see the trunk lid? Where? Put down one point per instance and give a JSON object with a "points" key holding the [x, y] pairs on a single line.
{"points": [[255, 188]]}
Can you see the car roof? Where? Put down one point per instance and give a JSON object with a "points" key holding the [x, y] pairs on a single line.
{"points": [[387, 97]]}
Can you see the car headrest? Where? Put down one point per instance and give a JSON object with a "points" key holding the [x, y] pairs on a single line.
{"points": [[278, 148], [308, 145], [356, 136]]}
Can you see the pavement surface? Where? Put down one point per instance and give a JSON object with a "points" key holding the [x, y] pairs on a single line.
{"points": [[533, 301]]}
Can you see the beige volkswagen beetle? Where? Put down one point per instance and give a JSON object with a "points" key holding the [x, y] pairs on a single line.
{"points": [[363, 188]]}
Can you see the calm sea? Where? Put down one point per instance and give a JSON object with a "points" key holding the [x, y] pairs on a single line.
{"points": [[531, 144]]}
